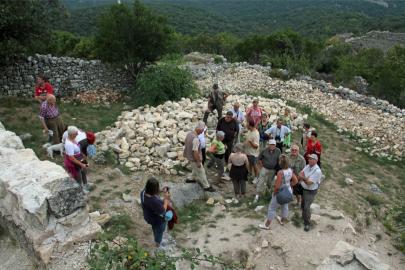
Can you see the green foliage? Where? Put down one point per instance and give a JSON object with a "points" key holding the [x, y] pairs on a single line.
{"points": [[131, 36], [160, 83], [85, 48], [62, 43], [24, 25]]}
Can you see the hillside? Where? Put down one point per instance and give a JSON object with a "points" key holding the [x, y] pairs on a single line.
{"points": [[314, 18]]}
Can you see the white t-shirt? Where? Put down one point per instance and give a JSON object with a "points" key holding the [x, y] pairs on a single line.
{"points": [[314, 174], [71, 148], [80, 136], [287, 178], [275, 131], [254, 137], [201, 137]]}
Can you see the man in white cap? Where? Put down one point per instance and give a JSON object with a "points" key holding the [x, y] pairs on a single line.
{"points": [[192, 152], [268, 162], [310, 179]]}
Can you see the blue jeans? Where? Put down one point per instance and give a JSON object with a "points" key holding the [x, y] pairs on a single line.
{"points": [[158, 231]]}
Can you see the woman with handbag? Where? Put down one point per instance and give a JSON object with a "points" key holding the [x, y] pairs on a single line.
{"points": [[282, 194]]}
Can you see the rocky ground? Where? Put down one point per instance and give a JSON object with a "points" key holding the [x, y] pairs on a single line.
{"points": [[357, 195]]}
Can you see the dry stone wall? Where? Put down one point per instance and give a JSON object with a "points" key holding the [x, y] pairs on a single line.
{"points": [[40, 205], [67, 75], [151, 139]]}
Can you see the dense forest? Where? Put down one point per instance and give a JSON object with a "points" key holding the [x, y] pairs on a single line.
{"points": [[314, 18], [288, 34]]}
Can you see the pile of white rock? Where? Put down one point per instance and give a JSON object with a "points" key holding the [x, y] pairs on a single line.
{"points": [[380, 132], [151, 139]]}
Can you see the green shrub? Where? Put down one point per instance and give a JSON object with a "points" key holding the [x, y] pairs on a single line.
{"points": [[160, 83]]}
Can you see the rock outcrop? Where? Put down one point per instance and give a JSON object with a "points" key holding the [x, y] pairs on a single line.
{"points": [[40, 205]]}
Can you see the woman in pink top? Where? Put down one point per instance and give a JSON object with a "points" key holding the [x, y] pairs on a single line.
{"points": [[254, 113]]}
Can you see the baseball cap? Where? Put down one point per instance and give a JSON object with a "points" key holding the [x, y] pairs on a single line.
{"points": [[271, 142], [313, 156]]}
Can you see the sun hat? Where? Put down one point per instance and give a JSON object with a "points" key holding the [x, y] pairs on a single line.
{"points": [[271, 142]]}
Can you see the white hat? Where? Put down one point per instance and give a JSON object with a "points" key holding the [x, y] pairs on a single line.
{"points": [[313, 156], [272, 142]]}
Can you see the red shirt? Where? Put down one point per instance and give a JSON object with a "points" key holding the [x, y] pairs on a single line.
{"points": [[44, 90], [314, 148]]}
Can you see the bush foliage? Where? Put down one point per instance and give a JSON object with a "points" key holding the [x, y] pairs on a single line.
{"points": [[160, 83]]}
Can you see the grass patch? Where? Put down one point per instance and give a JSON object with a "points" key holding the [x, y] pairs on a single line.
{"points": [[296, 220], [251, 229], [191, 215], [374, 200], [20, 115], [99, 181]]}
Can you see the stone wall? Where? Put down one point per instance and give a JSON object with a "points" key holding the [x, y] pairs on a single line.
{"points": [[40, 205], [67, 75]]}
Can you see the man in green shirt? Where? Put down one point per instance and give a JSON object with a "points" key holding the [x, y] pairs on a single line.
{"points": [[217, 150]]}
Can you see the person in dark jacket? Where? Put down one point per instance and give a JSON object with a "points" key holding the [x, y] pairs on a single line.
{"points": [[230, 127], [154, 208]]}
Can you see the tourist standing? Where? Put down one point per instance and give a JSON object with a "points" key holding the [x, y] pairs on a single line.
{"points": [[254, 112], [306, 135], [310, 178], [252, 148], [239, 166], [262, 127], [230, 127], [287, 118], [297, 164], [268, 163], [51, 119], [285, 177], [217, 150], [279, 133], [42, 88], [201, 137], [155, 209], [314, 147], [192, 152], [74, 160], [238, 116], [216, 101]]}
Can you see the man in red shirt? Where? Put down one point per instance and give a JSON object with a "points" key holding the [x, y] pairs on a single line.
{"points": [[42, 88], [313, 147]]}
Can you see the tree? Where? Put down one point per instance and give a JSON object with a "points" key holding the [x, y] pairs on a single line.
{"points": [[24, 24], [132, 37]]}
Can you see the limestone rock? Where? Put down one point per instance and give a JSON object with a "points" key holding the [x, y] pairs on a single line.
{"points": [[369, 261], [342, 253], [210, 201]]}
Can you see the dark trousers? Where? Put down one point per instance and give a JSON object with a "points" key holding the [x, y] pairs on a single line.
{"points": [[204, 156], [158, 231], [228, 151], [239, 186], [210, 110], [280, 146], [307, 198], [81, 177]]}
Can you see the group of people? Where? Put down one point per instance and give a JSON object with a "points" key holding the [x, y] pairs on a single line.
{"points": [[76, 144], [247, 145], [261, 156]]}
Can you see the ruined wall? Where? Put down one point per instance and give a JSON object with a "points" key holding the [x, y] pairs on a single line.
{"points": [[67, 75], [40, 205]]}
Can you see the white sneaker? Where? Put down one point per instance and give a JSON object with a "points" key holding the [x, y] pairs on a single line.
{"points": [[255, 181], [235, 201], [264, 227], [256, 199]]}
